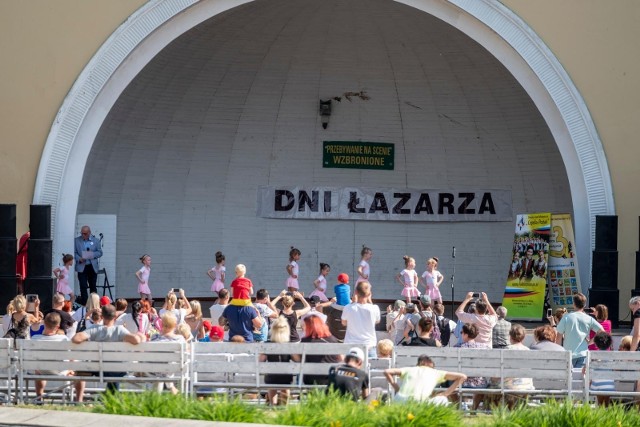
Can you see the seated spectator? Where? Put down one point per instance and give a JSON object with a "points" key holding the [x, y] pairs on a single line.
{"points": [[545, 337], [66, 321], [385, 349], [6, 319], [21, 320], [136, 321], [194, 320], [603, 342], [238, 339], [279, 334], [423, 338], [83, 315], [316, 331], [500, 336], [51, 327], [469, 333], [216, 334], [207, 330], [170, 304], [168, 334], [485, 318], [349, 379], [517, 335], [625, 343], [418, 382], [185, 331], [121, 307]]}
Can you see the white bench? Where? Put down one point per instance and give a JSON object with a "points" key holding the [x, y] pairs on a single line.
{"points": [[8, 369], [623, 367], [143, 363]]}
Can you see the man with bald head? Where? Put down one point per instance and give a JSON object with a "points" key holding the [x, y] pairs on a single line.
{"points": [[87, 250]]}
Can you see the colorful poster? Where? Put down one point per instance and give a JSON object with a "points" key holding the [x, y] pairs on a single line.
{"points": [[564, 279], [527, 278]]}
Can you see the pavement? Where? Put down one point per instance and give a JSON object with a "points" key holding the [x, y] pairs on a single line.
{"points": [[10, 416]]}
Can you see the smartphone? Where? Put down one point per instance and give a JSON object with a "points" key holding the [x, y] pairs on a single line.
{"points": [[476, 294], [549, 312], [176, 290], [31, 302]]}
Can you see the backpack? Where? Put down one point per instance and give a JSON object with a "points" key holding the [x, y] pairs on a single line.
{"points": [[82, 324], [18, 330], [445, 330]]}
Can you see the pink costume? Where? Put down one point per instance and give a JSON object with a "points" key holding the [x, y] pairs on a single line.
{"points": [[365, 270], [321, 289], [143, 287], [409, 290], [218, 284], [291, 282], [431, 279], [63, 281]]}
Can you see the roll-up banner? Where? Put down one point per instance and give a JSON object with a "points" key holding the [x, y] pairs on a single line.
{"points": [[564, 279], [384, 204], [527, 275]]}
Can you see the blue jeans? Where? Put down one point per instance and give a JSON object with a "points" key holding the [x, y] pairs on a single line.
{"points": [[578, 362]]}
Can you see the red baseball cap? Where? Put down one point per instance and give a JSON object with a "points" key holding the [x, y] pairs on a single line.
{"points": [[206, 325], [104, 300], [343, 278], [216, 332]]}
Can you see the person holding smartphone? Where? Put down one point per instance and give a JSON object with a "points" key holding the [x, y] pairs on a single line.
{"points": [[485, 318]]}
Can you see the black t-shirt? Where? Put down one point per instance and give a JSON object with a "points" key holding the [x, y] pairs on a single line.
{"points": [[636, 314], [320, 358], [425, 342], [348, 380], [66, 321]]}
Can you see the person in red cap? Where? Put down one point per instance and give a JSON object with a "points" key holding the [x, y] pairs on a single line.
{"points": [[104, 300], [342, 290], [216, 334]]}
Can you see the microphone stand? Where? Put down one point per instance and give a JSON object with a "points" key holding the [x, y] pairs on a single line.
{"points": [[453, 279]]}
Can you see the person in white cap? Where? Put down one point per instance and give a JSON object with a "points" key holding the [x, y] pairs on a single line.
{"points": [[349, 379]]}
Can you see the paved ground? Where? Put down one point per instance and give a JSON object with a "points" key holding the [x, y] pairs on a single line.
{"points": [[42, 417]]}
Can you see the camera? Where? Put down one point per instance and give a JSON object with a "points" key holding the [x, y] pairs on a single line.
{"points": [[31, 302], [549, 312], [176, 290], [476, 295]]}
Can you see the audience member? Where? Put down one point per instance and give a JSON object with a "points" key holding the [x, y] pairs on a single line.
{"points": [[601, 313], [445, 325], [52, 322], [21, 320], [168, 334], [216, 334], [418, 382], [500, 336], [574, 329], [195, 321], [66, 321], [279, 334], [317, 331], [349, 379], [170, 302], [241, 321], [121, 307], [545, 337], [485, 318], [423, 335], [136, 321], [603, 342], [557, 316], [83, 314], [292, 316], [360, 318], [267, 311], [469, 333], [385, 349], [625, 343], [634, 306]]}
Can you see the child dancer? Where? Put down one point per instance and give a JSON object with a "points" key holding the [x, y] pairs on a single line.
{"points": [[321, 283], [432, 280], [408, 278], [62, 274], [363, 267], [242, 287], [292, 269], [217, 273], [143, 278]]}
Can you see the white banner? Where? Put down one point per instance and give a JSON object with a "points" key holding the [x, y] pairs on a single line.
{"points": [[384, 204]]}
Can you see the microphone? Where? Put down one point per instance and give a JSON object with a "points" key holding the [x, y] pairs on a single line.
{"points": [[453, 252]]}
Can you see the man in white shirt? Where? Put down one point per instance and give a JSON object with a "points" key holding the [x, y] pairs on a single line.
{"points": [[216, 309], [51, 328], [360, 318]]}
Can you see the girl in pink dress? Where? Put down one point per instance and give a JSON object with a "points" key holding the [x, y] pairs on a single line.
{"points": [[408, 278], [363, 267], [321, 283], [217, 273], [143, 277], [292, 269], [432, 280], [62, 274]]}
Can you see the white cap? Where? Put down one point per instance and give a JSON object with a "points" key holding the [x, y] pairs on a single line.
{"points": [[313, 312], [356, 352]]}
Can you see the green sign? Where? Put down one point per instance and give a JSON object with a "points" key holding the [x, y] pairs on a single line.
{"points": [[357, 155]]}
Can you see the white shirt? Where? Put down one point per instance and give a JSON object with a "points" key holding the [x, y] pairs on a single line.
{"points": [[127, 321], [361, 323], [365, 268]]}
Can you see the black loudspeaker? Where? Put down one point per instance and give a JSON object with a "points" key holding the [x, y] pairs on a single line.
{"points": [[40, 221], [610, 298], [606, 233], [43, 287], [8, 291], [604, 273], [8, 221], [8, 256], [39, 257]]}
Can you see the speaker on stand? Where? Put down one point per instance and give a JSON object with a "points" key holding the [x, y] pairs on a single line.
{"points": [[604, 268], [8, 243]]}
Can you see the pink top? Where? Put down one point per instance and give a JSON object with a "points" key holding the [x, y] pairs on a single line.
{"points": [[606, 325]]}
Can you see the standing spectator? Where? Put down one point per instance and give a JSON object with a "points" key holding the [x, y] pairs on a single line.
{"points": [[267, 311], [395, 324], [195, 320], [349, 379], [170, 305], [445, 325], [360, 318], [574, 329], [215, 311], [418, 382], [87, 251], [107, 332], [241, 320], [423, 336], [485, 318], [501, 329], [292, 316], [545, 337], [601, 313]]}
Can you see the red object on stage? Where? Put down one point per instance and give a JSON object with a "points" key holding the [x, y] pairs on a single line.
{"points": [[21, 258]]}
